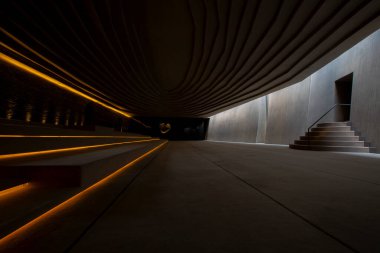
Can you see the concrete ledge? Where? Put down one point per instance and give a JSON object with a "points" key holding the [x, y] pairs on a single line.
{"points": [[11, 145], [71, 170], [56, 180]]}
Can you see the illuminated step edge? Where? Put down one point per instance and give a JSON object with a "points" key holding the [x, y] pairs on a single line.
{"points": [[62, 150], [73, 136], [75, 169], [12, 189], [10, 241]]}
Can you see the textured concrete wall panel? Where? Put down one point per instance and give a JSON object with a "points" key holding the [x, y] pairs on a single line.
{"points": [[365, 111], [239, 124], [287, 113]]}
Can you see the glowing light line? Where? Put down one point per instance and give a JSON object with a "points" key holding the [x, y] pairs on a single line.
{"points": [[46, 59], [13, 189], [57, 83], [67, 73], [93, 94], [23, 231], [71, 136], [53, 151]]}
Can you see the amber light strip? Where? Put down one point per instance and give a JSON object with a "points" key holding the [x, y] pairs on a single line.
{"points": [[61, 69], [13, 189], [43, 58], [53, 151], [36, 63], [22, 232], [66, 87], [59, 84], [71, 136]]}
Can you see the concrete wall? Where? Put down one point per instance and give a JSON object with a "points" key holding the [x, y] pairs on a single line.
{"points": [[282, 116], [240, 124], [287, 113]]}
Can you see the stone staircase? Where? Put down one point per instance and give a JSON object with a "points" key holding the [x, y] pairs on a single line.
{"points": [[334, 136]]}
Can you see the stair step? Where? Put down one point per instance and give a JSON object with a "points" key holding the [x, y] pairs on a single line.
{"points": [[11, 183], [331, 133], [331, 148], [332, 128], [331, 138], [75, 169], [331, 124], [47, 191], [330, 143]]}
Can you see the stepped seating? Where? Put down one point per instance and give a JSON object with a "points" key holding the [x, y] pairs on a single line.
{"points": [[80, 169], [53, 180], [333, 136]]}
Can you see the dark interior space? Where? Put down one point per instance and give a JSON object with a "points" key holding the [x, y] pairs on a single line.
{"points": [[164, 126], [343, 88], [176, 128], [26, 99]]}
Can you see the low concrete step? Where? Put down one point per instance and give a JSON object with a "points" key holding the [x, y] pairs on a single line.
{"points": [[331, 124], [74, 170], [331, 148], [331, 138], [75, 173], [10, 183], [330, 143], [331, 128], [12, 145], [331, 133]]}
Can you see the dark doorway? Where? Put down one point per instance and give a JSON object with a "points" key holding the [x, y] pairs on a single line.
{"points": [[343, 91]]}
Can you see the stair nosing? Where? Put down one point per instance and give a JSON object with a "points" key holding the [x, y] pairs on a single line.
{"points": [[335, 131], [331, 146], [333, 141]]}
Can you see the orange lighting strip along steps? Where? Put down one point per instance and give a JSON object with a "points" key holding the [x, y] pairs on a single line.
{"points": [[23, 231], [54, 151], [13, 189], [70, 136]]}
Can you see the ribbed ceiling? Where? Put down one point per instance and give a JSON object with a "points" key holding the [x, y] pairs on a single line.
{"points": [[183, 58]]}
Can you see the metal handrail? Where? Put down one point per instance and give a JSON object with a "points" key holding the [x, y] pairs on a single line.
{"points": [[308, 130]]}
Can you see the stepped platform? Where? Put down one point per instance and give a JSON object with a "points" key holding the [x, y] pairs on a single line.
{"points": [[333, 136], [51, 181]]}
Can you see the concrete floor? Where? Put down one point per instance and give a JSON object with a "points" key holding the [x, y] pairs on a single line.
{"points": [[219, 197], [216, 197]]}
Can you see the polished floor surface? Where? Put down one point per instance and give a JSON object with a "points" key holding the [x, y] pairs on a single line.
{"points": [[221, 197]]}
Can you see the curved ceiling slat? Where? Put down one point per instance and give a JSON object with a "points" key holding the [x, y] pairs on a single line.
{"points": [[284, 64], [186, 58], [217, 85]]}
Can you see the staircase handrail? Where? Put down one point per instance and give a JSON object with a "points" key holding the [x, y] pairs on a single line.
{"points": [[308, 129]]}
